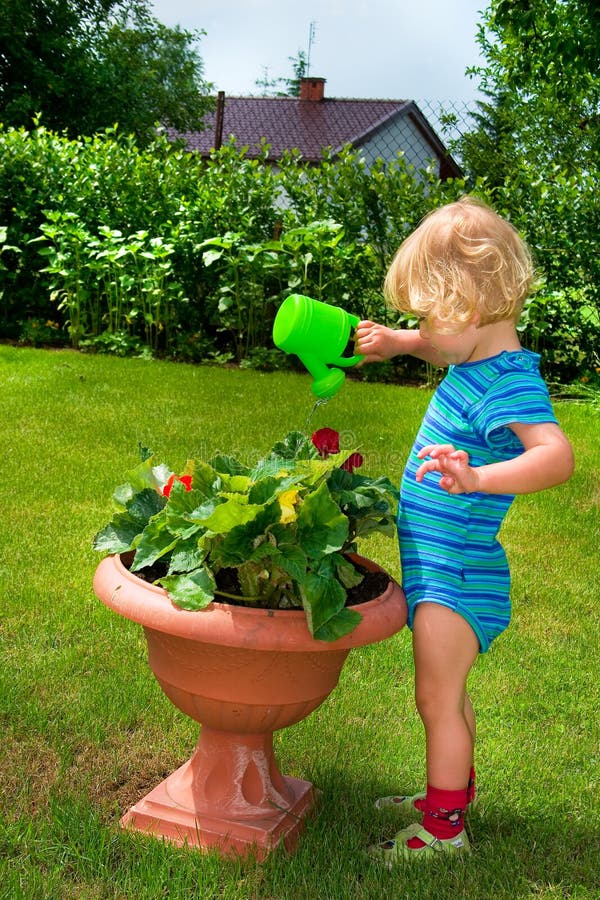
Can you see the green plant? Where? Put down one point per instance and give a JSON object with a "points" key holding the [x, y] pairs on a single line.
{"points": [[563, 325], [117, 343], [5, 270], [124, 283], [266, 359], [40, 333], [328, 231], [279, 532], [242, 301]]}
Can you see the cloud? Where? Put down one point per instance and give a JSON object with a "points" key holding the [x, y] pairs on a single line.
{"points": [[382, 48]]}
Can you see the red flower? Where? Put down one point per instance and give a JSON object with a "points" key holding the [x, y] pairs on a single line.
{"points": [[353, 462], [327, 441], [185, 480]]}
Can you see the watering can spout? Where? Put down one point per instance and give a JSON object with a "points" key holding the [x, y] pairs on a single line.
{"points": [[326, 381], [318, 334]]}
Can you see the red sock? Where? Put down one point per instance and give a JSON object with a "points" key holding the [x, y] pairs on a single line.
{"points": [[444, 814], [421, 803]]}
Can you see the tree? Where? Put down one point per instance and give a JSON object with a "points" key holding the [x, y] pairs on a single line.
{"points": [[542, 73], [536, 143], [272, 87], [86, 65]]}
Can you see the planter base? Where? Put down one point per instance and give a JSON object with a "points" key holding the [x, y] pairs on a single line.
{"points": [[229, 796], [158, 815]]}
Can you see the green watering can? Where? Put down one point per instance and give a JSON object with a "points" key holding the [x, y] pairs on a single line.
{"points": [[317, 333]]}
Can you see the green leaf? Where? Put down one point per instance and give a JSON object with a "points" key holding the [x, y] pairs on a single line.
{"points": [[293, 560], [187, 555], [143, 506], [228, 465], [270, 487], [156, 540], [122, 531], [339, 625], [347, 573], [235, 484], [269, 468], [322, 597], [590, 316], [139, 479], [183, 513], [206, 479], [243, 542], [211, 256], [294, 446], [229, 514], [118, 536], [322, 528], [194, 590]]}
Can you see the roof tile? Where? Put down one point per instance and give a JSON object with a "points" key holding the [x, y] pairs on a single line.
{"points": [[286, 123]]}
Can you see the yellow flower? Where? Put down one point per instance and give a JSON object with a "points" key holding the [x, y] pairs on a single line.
{"points": [[287, 501]]}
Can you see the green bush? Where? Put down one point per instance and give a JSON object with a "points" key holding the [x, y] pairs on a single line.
{"points": [[134, 250]]}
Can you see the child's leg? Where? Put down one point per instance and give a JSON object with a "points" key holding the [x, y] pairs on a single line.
{"points": [[470, 717], [417, 801], [445, 648]]}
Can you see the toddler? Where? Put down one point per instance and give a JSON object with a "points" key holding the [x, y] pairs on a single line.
{"points": [[489, 433]]}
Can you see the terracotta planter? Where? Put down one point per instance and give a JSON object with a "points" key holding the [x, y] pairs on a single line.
{"points": [[242, 673]]}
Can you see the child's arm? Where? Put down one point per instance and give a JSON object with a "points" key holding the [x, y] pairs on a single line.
{"points": [[378, 343], [546, 461]]}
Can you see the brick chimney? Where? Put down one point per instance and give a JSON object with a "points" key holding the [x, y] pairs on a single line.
{"points": [[312, 89]]}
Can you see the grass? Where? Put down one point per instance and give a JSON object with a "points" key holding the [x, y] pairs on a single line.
{"points": [[86, 731]]}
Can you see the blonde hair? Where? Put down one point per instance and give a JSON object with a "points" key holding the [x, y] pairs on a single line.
{"points": [[462, 259]]}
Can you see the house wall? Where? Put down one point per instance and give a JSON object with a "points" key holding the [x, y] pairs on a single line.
{"points": [[401, 134]]}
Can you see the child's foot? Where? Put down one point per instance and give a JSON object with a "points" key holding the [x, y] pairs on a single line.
{"points": [[402, 802], [391, 853]]}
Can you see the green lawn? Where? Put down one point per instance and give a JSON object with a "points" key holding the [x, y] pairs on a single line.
{"points": [[86, 730]]}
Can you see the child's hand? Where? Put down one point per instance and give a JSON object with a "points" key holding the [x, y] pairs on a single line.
{"points": [[375, 342], [458, 477]]}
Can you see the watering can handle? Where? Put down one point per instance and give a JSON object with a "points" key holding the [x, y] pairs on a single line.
{"points": [[346, 361]]}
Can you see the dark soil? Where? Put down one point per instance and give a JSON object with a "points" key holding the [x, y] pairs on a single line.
{"points": [[372, 585]]}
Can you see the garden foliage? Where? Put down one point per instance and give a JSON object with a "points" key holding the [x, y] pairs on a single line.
{"points": [[281, 529], [152, 250]]}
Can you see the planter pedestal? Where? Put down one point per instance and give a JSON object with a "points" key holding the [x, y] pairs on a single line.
{"points": [[230, 795], [243, 674]]}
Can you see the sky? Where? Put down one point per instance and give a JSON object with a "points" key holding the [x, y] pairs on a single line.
{"points": [[384, 49]]}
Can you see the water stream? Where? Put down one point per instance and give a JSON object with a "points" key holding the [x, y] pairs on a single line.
{"points": [[320, 402]]}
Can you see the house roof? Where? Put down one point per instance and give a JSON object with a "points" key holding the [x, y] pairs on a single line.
{"points": [[307, 125]]}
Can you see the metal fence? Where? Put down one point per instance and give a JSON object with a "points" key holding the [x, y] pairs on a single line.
{"points": [[424, 131], [450, 119]]}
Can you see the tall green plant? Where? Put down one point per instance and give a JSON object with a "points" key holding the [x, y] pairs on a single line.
{"points": [[109, 284], [328, 230], [66, 246]]}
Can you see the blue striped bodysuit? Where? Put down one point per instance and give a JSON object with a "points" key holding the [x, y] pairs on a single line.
{"points": [[448, 542]]}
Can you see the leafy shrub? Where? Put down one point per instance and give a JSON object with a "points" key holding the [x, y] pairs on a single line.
{"points": [[127, 247]]}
